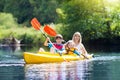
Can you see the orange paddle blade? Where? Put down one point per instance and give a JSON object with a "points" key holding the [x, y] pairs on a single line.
{"points": [[50, 31], [35, 23]]}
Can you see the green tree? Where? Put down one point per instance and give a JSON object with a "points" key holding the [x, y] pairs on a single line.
{"points": [[7, 21], [80, 17], [25, 10], [21, 9], [90, 17], [44, 10], [2, 5]]}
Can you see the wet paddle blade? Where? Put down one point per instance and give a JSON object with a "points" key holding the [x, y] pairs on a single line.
{"points": [[50, 31], [35, 23]]}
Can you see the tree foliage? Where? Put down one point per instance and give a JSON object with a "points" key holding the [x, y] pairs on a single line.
{"points": [[7, 21], [44, 10], [93, 18], [21, 9], [25, 10]]}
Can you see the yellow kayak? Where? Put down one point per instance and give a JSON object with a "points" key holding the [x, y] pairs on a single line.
{"points": [[47, 57]]}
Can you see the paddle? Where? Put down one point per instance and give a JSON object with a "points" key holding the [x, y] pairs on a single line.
{"points": [[50, 31], [37, 26], [84, 56], [35, 23]]}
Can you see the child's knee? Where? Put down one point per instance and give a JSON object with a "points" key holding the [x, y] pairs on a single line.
{"points": [[41, 50], [52, 50]]}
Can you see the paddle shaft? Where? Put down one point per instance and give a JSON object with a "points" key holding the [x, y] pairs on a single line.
{"points": [[46, 37], [84, 56], [52, 44], [35, 23], [49, 40]]}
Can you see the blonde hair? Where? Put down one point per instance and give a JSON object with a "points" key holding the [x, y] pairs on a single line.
{"points": [[77, 33], [70, 41]]}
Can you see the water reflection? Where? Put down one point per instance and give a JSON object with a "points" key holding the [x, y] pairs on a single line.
{"points": [[100, 68], [103, 48], [57, 71], [11, 72], [11, 48], [105, 66], [11, 54]]}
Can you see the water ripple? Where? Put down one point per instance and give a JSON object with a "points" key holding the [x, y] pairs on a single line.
{"points": [[106, 58], [1, 65], [12, 61]]}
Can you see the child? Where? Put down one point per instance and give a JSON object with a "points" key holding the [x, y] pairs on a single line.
{"points": [[70, 48], [55, 47]]}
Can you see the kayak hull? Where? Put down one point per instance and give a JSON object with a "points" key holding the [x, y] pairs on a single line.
{"points": [[47, 57]]}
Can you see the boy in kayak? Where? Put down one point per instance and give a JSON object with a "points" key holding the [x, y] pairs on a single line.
{"points": [[56, 47], [70, 48]]}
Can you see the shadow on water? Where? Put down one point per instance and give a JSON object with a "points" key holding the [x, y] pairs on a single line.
{"points": [[103, 48]]}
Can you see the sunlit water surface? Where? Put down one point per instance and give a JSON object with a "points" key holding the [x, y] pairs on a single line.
{"points": [[105, 66]]}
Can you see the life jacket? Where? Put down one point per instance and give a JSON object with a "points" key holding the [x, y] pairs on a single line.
{"points": [[70, 50], [58, 46]]}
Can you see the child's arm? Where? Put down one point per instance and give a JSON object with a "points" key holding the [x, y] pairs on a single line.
{"points": [[46, 42], [76, 52], [50, 45]]}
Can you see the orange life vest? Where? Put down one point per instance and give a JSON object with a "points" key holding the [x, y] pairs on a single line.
{"points": [[70, 50]]}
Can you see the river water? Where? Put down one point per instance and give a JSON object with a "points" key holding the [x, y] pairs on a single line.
{"points": [[105, 66]]}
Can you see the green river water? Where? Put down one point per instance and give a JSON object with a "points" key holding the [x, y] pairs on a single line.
{"points": [[105, 66]]}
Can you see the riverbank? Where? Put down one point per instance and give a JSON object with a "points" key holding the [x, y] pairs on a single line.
{"points": [[25, 35], [30, 36]]}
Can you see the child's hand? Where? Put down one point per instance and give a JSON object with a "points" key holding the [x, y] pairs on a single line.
{"points": [[60, 53], [47, 39]]}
